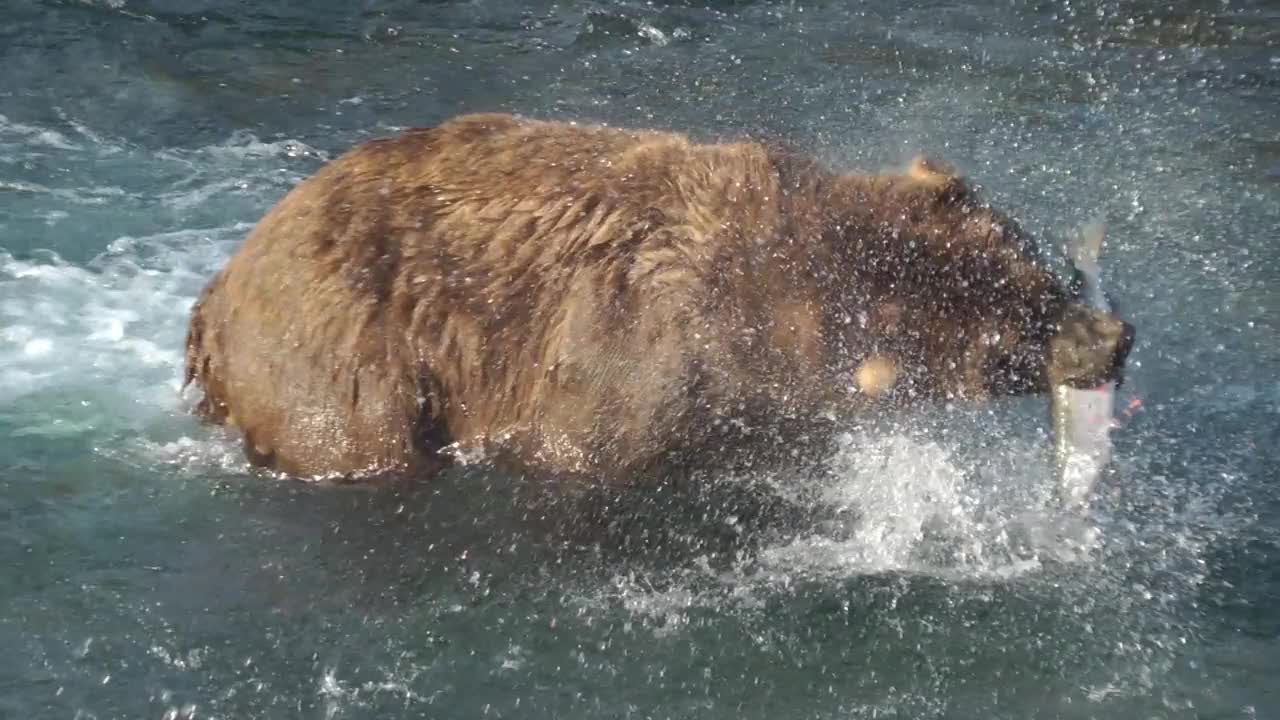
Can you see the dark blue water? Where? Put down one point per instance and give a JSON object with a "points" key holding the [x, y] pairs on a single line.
{"points": [[146, 572]]}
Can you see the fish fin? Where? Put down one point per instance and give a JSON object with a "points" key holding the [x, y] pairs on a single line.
{"points": [[1087, 246]]}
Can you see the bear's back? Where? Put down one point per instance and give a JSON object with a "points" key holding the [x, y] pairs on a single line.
{"points": [[458, 281]]}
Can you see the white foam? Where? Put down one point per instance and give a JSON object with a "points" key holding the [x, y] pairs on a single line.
{"points": [[100, 344], [340, 695], [94, 196], [653, 34], [244, 146], [37, 348], [114, 327], [215, 451], [20, 133]]}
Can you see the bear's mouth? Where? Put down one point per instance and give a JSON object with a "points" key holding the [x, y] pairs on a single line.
{"points": [[1090, 348], [1082, 354]]}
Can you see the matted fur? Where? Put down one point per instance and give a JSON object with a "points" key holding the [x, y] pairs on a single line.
{"points": [[600, 301]]}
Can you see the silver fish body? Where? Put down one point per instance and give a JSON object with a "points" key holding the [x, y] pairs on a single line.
{"points": [[1082, 419]]}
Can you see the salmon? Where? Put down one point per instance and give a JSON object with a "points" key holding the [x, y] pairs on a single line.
{"points": [[1082, 419]]}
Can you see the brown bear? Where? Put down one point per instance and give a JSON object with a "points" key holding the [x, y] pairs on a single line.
{"points": [[600, 302]]}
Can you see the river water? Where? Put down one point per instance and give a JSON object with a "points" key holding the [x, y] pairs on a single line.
{"points": [[145, 572]]}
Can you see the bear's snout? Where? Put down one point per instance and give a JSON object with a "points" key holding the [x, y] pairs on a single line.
{"points": [[1090, 348]]}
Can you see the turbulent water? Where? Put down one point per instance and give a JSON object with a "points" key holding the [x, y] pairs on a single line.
{"points": [[145, 571]]}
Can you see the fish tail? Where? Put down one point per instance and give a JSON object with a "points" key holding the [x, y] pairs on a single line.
{"points": [[1087, 246]]}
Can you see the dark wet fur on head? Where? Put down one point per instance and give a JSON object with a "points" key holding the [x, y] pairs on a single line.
{"points": [[603, 303]]}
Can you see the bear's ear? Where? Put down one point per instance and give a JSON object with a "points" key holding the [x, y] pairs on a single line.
{"points": [[937, 177]]}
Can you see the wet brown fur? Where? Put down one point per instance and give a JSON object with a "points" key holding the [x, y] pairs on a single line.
{"points": [[600, 301]]}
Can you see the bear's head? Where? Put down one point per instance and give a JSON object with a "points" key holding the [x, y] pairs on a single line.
{"points": [[949, 299]]}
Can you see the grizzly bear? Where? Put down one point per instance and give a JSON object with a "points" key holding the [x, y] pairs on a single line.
{"points": [[599, 302]]}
